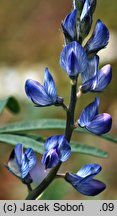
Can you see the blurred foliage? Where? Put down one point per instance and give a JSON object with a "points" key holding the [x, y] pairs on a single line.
{"points": [[30, 31]]}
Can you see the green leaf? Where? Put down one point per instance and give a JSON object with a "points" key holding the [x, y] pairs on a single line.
{"points": [[47, 124], [32, 125], [87, 149], [26, 141], [77, 147], [37, 144], [11, 103]]}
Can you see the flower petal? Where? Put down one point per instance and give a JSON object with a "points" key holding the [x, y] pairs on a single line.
{"points": [[69, 23], [89, 113], [101, 124], [83, 182], [72, 65], [31, 157], [64, 150], [86, 86], [80, 54], [12, 166], [50, 158], [89, 170], [49, 85], [99, 38], [18, 153], [36, 92], [73, 178], [53, 141], [90, 188], [92, 69], [104, 77], [25, 166], [60, 144]]}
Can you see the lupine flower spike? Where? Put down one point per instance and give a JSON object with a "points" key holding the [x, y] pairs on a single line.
{"points": [[78, 58]]}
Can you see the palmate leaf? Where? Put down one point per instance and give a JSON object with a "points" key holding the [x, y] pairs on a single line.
{"points": [[47, 124], [37, 144], [11, 103]]}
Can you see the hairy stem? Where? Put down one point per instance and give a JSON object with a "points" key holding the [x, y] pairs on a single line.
{"points": [[68, 132]]}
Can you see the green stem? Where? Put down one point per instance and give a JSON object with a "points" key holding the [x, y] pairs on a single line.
{"points": [[68, 132]]}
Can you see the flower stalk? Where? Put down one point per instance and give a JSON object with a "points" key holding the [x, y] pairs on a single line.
{"points": [[68, 133]]}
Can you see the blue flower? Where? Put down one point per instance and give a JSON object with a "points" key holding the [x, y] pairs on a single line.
{"points": [[83, 180], [43, 95], [69, 25], [94, 122], [99, 38], [73, 59], [20, 164], [57, 149], [85, 20], [93, 79]]}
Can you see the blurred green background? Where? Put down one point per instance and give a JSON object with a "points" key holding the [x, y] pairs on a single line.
{"points": [[30, 39]]}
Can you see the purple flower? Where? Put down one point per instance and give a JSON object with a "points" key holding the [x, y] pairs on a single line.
{"points": [[20, 164], [94, 122], [57, 149], [73, 59], [43, 95], [99, 38], [93, 79], [83, 180]]}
